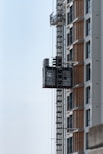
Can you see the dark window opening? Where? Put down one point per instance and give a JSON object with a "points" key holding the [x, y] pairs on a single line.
{"points": [[88, 49], [87, 6], [70, 15], [70, 37], [69, 145], [69, 123], [86, 141], [88, 27], [70, 102], [88, 72], [87, 117], [88, 95]]}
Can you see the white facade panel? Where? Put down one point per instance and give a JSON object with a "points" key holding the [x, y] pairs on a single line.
{"points": [[101, 41], [96, 59]]}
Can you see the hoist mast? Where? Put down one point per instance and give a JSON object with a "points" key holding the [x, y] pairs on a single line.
{"points": [[58, 75]]}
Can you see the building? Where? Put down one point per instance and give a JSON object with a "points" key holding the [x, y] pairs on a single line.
{"points": [[79, 91], [96, 139]]}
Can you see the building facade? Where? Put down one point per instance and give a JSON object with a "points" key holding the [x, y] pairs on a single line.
{"points": [[79, 35], [95, 139]]}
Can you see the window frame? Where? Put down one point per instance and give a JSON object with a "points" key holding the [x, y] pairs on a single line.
{"points": [[87, 118], [87, 6], [88, 49], [88, 22], [70, 16], [70, 102], [86, 140], [70, 55], [69, 122], [88, 93], [88, 72], [69, 145], [68, 1], [70, 37]]}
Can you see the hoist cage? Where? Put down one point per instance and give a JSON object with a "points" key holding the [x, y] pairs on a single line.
{"points": [[56, 77]]}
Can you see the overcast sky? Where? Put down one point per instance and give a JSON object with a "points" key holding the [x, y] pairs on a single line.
{"points": [[25, 108]]}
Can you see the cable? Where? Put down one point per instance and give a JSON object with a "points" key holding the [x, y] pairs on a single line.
{"points": [[52, 94], [51, 117], [54, 121]]}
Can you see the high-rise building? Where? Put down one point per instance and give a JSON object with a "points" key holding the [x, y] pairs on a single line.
{"points": [[77, 72]]}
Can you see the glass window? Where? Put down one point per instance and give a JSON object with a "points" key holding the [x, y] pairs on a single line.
{"points": [[87, 6], [88, 72], [68, 1], [88, 95], [69, 123], [86, 137], [69, 145], [70, 55], [67, 39], [87, 117], [70, 15], [68, 18], [70, 37], [88, 27], [70, 102], [88, 49]]}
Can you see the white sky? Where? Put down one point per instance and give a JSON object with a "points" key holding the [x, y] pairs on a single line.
{"points": [[25, 108]]}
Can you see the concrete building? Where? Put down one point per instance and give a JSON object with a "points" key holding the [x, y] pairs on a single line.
{"points": [[79, 48], [95, 137]]}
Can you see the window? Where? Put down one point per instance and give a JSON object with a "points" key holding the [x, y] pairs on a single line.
{"points": [[70, 37], [68, 1], [86, 137], [70, 102], [70, 55], [67, 39], [70, 15], [58, 61], [88, 49], [88, 72], [88, 95], [69, 123], [87, 6], [88, 27], [69, 145], [87, 117]]}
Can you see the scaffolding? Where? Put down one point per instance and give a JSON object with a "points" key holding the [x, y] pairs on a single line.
{"points": [[63, 76]]}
